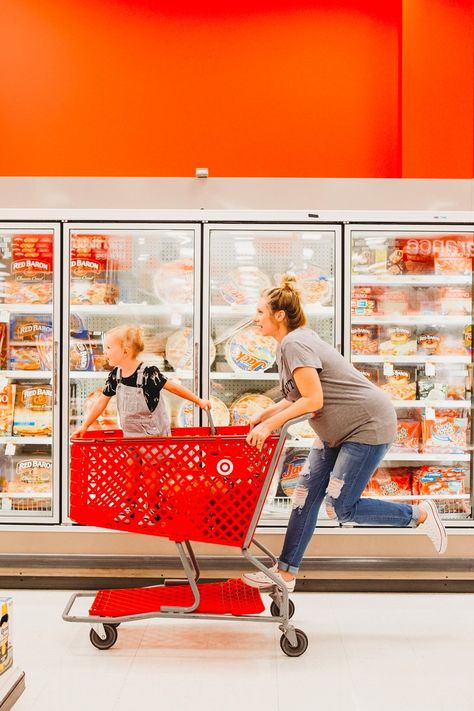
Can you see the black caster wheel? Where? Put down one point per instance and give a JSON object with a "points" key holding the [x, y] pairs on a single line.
{"points": [[275, 609], [301, 646], [110, 639], [114, 624]]}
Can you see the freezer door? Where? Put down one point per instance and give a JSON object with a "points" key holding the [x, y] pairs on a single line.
{"points": [[142, 275], [409, 331], [29, 369], [239, 368]]}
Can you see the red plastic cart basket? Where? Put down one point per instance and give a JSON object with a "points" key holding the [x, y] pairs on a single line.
{"points": [[197, 485]]}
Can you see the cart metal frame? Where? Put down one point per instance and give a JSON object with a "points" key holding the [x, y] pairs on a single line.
{"points": [[293, 642]]}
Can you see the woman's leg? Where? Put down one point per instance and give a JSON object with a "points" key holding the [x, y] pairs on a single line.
{"points": [[352, 470], [307, 499]]}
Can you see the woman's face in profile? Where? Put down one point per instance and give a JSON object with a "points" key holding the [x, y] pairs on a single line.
{"points": [[264, 320]]}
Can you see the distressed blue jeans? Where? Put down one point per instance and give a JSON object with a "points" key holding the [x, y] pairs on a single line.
{"points": [[340, 474]]}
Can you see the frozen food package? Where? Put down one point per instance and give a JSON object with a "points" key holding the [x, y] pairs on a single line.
{"points": [[302, 430], [390, 481], [30, 280], [443, 481], [99, 359], [455, 301], [425, 300], [371, 372], [80, 355], [32, 476], [401, 384], [32, 416], [411, 255], [393, 301], [93, 272], [292, 467], [467, 339], [173, 282], [179, 349], [452, 343], [446, 434], [7, 404], [453, 265], [363, 301], [369, 257], [247, 406], [429, 341], [219, 411], [108, 418], [364, 340], [398, 341], [408, 436], [244, 285], [249, 351], [25, 357], [313, 283], [432, 389], [3, 344]]}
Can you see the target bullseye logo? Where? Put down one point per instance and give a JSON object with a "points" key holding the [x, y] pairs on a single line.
{"points": [[224, 467]]}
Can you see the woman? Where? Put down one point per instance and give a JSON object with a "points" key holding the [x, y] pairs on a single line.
{"points": [[355, 421]]}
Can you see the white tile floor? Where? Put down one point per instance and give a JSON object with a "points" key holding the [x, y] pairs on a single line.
{"points": [[366, 652]]}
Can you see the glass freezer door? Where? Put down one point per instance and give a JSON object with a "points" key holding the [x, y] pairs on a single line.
{"points": [[240, 369], [139, 275], [410, 332], [29, 367]]}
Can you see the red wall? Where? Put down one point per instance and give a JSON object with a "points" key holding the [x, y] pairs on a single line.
{"points": [[268, 88]]}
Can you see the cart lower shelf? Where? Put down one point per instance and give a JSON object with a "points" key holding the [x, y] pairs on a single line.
{"points": [[231, 597]]}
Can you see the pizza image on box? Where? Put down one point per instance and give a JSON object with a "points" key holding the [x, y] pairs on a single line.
{"points": [[244, 285], [179, 349], [249, 351], [219, 411], [248, 406]]}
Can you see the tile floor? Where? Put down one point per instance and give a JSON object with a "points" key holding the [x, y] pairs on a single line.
{"points": [[367, 652]]}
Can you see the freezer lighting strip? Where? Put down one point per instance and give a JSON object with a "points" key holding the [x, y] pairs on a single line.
{"points": [[25, 440], [27, 308]]}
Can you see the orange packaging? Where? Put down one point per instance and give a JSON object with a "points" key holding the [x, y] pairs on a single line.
{"points": [[446, 434], [390, 481], [408, 436]]}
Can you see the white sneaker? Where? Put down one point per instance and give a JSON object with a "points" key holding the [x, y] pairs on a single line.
{"points": [[263, 582], [433, 527]]}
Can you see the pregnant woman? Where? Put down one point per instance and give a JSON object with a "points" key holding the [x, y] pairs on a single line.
{"points": [[355, 421]]}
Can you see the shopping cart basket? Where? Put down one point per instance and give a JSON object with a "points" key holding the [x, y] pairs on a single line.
{"points": [[200, 484]]}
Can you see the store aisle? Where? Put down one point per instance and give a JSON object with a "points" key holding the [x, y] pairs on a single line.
{"points": [[367, 652]]}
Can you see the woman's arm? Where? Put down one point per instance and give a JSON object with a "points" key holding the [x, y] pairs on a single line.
{"points": [[270, 411], [96, 410], [173, 387], [309, 385]]}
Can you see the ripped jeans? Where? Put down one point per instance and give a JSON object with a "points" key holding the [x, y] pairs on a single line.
{"points": [[342, 473]]}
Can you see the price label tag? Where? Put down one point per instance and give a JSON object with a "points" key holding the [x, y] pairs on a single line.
{"points": [[10, 449], [430, 413], [430, 369], [388, 369], [6, 504]]}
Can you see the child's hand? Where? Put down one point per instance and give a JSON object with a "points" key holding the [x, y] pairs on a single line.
{"points": [[78, 433], [205, 404]]}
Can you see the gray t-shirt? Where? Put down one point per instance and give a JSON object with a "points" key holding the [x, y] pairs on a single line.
{"points": [[354, 410]]}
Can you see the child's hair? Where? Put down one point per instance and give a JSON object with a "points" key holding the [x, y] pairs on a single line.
{"points": [[286, 297], [131, 337]]}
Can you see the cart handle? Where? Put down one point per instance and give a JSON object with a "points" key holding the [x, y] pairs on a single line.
{"points": [[211, 422]]}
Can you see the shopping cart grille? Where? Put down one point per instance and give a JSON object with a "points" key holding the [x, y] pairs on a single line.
{"points": [[190, 486], [231, 597]]}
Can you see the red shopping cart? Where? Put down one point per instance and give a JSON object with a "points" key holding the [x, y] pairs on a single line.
{"points": [[200, 484]]}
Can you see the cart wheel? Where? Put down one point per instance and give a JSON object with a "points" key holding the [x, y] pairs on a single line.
{"points": [[275, 609], [301, 646], [110, 639]]}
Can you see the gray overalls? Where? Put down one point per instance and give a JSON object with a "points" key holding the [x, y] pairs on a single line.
{"points": [[136, 420]]}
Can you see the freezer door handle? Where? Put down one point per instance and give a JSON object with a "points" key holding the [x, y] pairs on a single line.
{"points": [[55, 370], [196, 366]]}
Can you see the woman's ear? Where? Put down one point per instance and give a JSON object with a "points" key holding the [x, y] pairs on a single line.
{"points": [[280, 315]]}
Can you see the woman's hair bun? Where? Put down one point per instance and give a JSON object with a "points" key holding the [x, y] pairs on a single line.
{"points": [[288, 281]]}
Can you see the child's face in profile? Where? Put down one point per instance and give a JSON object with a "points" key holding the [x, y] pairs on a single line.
{"points": [[114, 350]]}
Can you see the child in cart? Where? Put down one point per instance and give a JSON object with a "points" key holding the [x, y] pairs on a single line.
{"points": [[140, 406]]}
